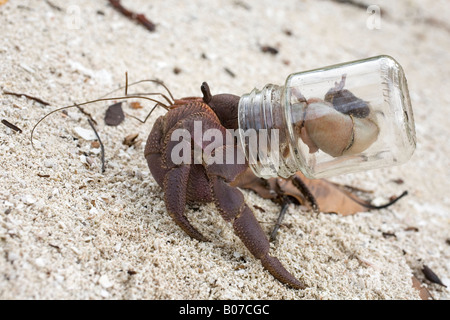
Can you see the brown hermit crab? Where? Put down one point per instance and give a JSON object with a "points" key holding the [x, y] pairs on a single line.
{"points": [[198, 179], [203, 182]]}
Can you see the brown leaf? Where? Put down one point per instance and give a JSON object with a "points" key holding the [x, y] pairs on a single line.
{"points": [[114, 114], [423, 292], [329, 196], [130, 139]]}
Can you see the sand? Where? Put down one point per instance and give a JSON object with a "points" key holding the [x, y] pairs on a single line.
{"points": [[67, 231]]}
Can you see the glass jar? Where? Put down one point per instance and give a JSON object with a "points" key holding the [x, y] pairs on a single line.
{"points": [[339, 119]]}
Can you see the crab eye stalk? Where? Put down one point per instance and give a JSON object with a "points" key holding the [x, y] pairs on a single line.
{"points": [[339, 119]]}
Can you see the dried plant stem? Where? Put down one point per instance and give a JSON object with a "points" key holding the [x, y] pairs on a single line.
{"points": [[27, 96], [140, 18], [12, 126], [101, 144], [284, 207]]}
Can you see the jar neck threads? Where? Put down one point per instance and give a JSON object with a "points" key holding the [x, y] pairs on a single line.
{"points": [[263, 121]]}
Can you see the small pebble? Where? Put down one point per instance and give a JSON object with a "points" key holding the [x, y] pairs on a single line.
{"points": [[86, 134], [93, 211], [105, 282], [95, 144], [12, 256], [48, 163], [28, 199], [104, 294], [27, 68], [40, 262]]}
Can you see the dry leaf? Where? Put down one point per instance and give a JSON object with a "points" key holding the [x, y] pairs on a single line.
{"points": [[114, 114], [330, 197], [431, 276], [130, 139], [423, 292]]}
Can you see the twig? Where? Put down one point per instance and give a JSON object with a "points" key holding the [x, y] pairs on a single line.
{"points": [[286, 203], [140, 18], [370, 206], [10, 125], [230, 73], [101, 144], [352, 188], [54, 6], [86, 114], [354, 3], [269, 49], [126, 83], [27, 96]]}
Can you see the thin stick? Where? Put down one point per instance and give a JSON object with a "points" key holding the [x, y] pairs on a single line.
{"points": [[101, 145], [126, 83], [12, 126], [286, 203], [86, 114], [27, 96], [140, 18], [54, 6], [352, 188], [390, 203]]}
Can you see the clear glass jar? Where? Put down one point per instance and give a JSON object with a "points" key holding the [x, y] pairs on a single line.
{"points": [[339, 119]]}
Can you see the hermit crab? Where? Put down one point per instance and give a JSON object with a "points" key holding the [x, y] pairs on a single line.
{"points": [[202, 182], [349, 116], [198, 179]]}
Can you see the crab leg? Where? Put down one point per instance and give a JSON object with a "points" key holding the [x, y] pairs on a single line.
{"points": [[230, 202], [175, 184]]}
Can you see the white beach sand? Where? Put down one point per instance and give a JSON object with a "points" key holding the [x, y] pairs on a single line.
{"points": [[81, 234]]}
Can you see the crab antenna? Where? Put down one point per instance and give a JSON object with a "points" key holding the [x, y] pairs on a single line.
{"points": [[149, 94], [390, 203], [126, 83], [76, 105], [148, 115]]}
